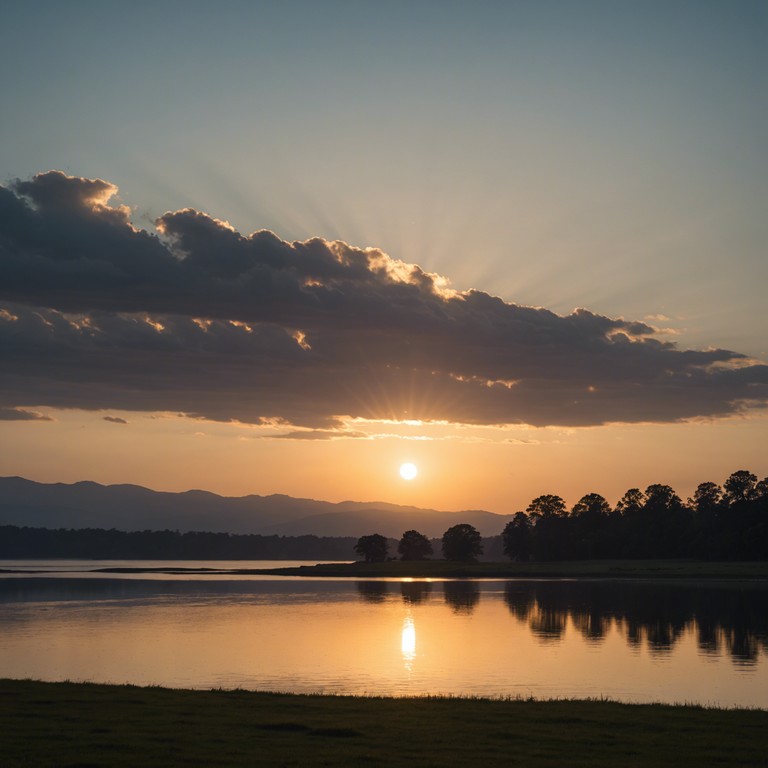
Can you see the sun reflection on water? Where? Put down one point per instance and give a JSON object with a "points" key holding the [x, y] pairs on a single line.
{"points": [[408, 643]]}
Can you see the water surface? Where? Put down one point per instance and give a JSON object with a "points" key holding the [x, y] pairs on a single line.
{"points": [[627, 640]]}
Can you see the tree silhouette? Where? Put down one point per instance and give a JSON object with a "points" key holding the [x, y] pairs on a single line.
{"points": [[629, 510], [547, 506], [96, 543], [631, 503], [707, 506], [550, 518], [414, 546], [706, 499], [516, 537], [592, 507], [746, 517], [728, 523], [665, 521], [373, 548], [589, 522], [462, 543], [740, 486]]}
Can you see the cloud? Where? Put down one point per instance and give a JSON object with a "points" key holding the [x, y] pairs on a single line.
{"points": [[18, 414], [115, 420], [322, 434], [200, 319]]}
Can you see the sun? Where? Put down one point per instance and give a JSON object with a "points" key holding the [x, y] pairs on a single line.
{"points": [[408, 471]]}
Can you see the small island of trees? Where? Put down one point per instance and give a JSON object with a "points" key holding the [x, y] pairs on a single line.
{"points": [[461, 543]]}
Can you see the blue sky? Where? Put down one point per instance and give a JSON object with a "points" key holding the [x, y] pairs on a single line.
{"points": [[604, 154], [607, 155]]}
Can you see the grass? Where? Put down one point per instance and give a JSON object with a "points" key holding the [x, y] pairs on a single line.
{"points": [[83, 724], [656, 569]]}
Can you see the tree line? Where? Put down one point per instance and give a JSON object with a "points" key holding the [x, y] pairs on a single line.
{"points": [[96, 543], [716, 523]]}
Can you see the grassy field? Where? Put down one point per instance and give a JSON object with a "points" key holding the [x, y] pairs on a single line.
{"points": [[80, 724], [656, 569]]}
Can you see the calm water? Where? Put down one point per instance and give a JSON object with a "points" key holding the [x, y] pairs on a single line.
{"points": [[632, 641]]}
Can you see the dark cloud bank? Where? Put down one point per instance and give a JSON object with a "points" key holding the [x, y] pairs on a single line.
{"points": [[200, 319]]}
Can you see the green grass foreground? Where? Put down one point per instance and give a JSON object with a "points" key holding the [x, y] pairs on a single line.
{"points": [[83, 724], [655, 569]]}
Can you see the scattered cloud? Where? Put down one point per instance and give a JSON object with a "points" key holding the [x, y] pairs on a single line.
{"points": [[199, 319], [115, 420], [322, 434], [19, 414]]}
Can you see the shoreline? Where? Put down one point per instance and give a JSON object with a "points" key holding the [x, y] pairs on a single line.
{"points": [[120, 725], [443, 569], [615, 569], [405, 698]]}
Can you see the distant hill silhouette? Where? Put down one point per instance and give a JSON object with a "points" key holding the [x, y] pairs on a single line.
{"points": [[133, 508]]}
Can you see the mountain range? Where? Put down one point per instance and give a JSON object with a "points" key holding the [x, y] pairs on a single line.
{"points": [[134, 508]]}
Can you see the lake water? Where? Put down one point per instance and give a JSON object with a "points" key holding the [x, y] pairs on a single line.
{"points": [[626, 640]]}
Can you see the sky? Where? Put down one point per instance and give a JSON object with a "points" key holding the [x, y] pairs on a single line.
{"points": [[286, 247]]}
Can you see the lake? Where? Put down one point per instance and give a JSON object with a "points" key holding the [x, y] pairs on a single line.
{"points": [[634, 641]]}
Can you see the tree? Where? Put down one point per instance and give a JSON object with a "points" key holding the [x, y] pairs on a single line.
{"points": [[550, 534], [626, 521], [631, 503], [414, 546], [660, 499], [664, 523], [591, 508], [373, 548], [589, 521], [747, 516], [706, 499], [516, 537], [709, 539], [740, 486], [462, 542], [547, 506]]}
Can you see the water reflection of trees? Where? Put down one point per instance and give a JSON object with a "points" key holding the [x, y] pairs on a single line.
{"points": [[415, 592], [412, 592], [723, 618], [461, 596], [372, 591]]}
